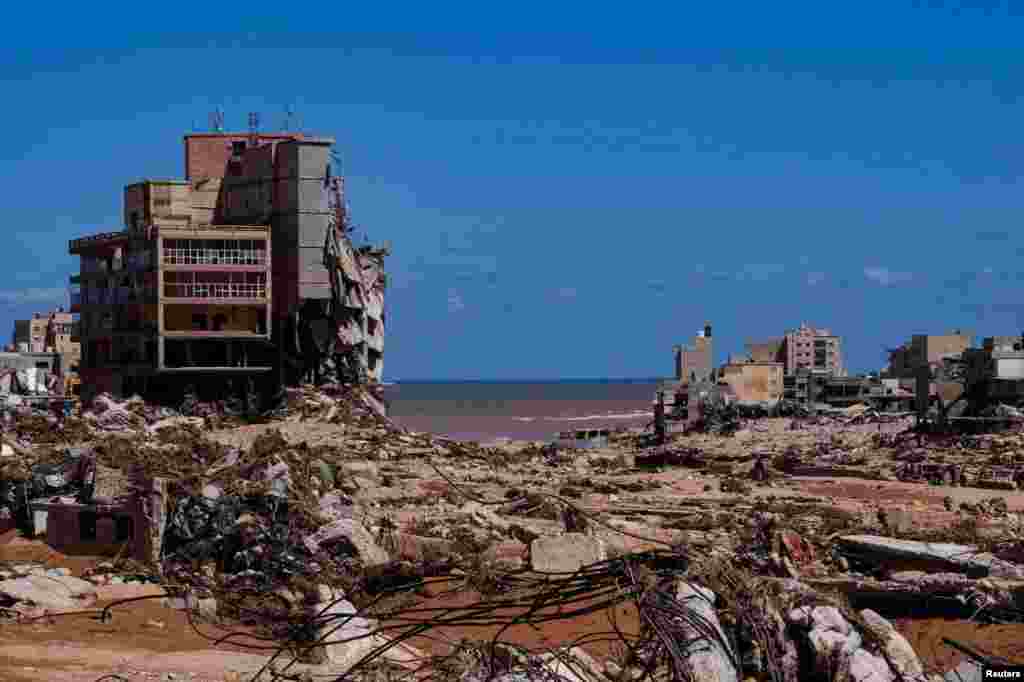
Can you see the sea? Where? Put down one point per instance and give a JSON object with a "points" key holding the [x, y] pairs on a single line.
{"points": [[488, 411]]}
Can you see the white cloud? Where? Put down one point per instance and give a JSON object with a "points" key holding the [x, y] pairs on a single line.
{"points": [[567, 292], [815, 278], [455, 302], [886, 277], [760, 272], [52, 296]]}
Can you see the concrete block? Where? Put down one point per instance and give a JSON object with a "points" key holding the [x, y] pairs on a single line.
{"points": [[39, 517], [566, 553]]}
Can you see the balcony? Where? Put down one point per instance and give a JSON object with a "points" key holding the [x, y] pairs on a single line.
{"points": [[215, 290], [227, 257], [215, 285]]}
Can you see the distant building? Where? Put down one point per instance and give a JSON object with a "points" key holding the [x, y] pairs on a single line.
{"points": [[813, 350], [771, 350], [760, 382], [695, 363], [49, 333], [931, 350], [30, 335]]}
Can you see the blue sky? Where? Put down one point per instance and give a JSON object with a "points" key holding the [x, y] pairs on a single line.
{"points": [[571, 191]]}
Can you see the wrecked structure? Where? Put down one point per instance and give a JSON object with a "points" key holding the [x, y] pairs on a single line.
{"points": [[695, 362], [243, 274]]}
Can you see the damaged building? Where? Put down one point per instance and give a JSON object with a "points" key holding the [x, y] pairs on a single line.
{"points": [[241, 275]]}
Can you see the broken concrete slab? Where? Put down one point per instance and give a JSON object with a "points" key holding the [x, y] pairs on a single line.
{"points": [[707, 658], [50, 592], [868, 667], [966, 558], [346, 637], [353, 532], [901, 656], [566, 553]]}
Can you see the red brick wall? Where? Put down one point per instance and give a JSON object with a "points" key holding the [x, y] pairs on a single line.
{"points": [[207, 154]]}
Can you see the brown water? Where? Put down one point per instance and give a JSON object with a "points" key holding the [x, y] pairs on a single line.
{"points": [[521, 411]]}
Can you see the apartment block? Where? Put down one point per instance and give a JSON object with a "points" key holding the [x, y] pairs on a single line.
{"points": [[30, 335], [228, 274], [52, 332], [760, 382], [814, 350], [695, 363]]}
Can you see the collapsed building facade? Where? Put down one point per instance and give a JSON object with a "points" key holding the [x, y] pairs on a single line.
{"points": [[242, 276]]}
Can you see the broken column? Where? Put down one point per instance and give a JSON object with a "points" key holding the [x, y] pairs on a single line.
{"points": [[149, 517]]}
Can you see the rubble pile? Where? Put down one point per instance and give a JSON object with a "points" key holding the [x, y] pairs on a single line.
{"points": [[746, 549]]}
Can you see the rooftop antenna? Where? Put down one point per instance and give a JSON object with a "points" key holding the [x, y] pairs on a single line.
{"points": [[217, 120], [289, 115], [254, 127]]}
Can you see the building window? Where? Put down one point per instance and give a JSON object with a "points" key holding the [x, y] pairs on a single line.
{"points": [[237, 148]]}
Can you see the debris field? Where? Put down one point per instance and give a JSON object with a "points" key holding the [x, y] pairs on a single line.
{"points": [[325, 542]]}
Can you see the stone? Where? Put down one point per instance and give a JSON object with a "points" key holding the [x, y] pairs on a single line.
{"points": [[867, 667], [901, 655], [53, 593], [832, 649], [419, 548], [820, 618], [566, 553], [707, 658]]}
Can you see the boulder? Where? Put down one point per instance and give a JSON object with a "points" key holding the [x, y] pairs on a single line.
{"points": [[566, 553], [50, 592]]}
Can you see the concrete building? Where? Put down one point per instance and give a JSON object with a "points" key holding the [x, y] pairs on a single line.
{"points": [[931, 350], [696, 362], [772, 350], [243, 270], [49, 333], [814, 350], [62, 339], [30, 335], [754, 382]]}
